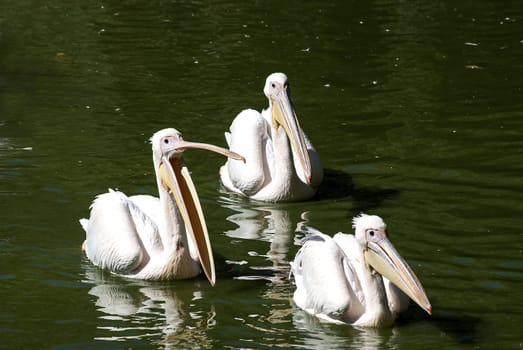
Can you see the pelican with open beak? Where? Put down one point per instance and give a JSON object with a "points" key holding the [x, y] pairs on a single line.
{"points": [[281, 163], [153, 238], [358, 279]]}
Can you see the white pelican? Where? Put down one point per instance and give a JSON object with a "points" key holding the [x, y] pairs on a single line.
{"points": [[358, 279], [154, 238], [280, 162]]}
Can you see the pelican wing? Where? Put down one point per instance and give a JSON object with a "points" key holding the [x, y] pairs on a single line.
{"points": [[322, 273], [398, 301], [145, 212], [248, 135], [347, 244], [114, 234]]}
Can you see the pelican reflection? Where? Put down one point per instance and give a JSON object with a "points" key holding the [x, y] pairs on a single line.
{"points": [[266, 223], [153, 312], [323, 335]]}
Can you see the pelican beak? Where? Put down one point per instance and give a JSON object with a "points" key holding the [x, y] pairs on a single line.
{"points": [[283, 114], [175, 176], [385, 259], [183, 145]]}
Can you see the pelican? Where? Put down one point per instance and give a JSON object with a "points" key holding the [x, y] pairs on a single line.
{"points": [[281, 163], [358, 279], [151, 238]]}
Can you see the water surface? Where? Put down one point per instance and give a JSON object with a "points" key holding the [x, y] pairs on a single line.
{"points": [[415, 110]]}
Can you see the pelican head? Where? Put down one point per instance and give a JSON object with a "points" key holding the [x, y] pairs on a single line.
{"points": [[283, 114], [174, 179], [381, 256]]}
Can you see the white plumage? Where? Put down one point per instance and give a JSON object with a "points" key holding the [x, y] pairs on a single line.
{"points": [[281, 164], [154, 238], [359, 279]]}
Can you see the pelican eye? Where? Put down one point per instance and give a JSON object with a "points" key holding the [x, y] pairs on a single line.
{"points": [[166, 141], [371, 233], [273, 85]]}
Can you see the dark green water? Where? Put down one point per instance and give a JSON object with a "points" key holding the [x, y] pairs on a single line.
{"points": [[416, 111]]}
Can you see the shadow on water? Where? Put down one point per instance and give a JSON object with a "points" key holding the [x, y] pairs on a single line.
{"points": [[464, 329], [338, 185]]}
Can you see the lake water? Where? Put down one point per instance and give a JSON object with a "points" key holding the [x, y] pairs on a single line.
{"points": [[415, 109]]}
